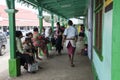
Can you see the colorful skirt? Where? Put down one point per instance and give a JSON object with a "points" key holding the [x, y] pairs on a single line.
{"points": [[70, 49]]}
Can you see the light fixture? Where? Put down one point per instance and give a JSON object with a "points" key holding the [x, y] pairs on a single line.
{"points": [[66, 5], [81, 17]]}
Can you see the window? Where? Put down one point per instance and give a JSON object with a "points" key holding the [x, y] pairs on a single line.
{"points": [[98, 25]]}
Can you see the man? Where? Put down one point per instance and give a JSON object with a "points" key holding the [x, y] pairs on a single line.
{"points": [[70, 35]]}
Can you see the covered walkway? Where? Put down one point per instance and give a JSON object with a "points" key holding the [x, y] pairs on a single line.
{"points": [[58, 68], [102, 22]]}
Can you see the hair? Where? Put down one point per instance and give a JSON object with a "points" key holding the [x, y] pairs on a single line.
{"points": [[82, 25], [58, 23], [27, 34], [86, 45], [35, 29], [18, 33], [30, 33], [43, 28], [27, 39], [70, 23]]}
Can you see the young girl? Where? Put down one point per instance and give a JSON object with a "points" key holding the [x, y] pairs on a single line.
{"points": [[28, 48], [84, 51]]}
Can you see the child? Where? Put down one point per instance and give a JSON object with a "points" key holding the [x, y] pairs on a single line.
{"points": [[84, 51], [27, 48]]}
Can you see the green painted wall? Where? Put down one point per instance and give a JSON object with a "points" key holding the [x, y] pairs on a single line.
{"points": [[116, 41], [94, 72], [103, 68]]}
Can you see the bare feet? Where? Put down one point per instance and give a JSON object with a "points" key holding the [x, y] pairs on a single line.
{"points": [[39, 58]]}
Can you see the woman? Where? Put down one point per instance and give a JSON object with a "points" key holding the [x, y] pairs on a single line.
{"points": [[40, 42], [58, 37], [82, 32]]}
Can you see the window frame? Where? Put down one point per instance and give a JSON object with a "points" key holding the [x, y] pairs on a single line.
{"points": [[98, 28]]}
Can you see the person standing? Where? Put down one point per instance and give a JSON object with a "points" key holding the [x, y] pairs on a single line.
{"points": [[58, 37], [40, 43], [82, 32], [70, 35], [36, 40]]}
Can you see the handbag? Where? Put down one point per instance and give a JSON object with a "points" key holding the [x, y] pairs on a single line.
{"points": [[32, 67]]}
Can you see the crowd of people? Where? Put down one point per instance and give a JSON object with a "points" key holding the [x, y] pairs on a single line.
{"points": [[34, 43]]}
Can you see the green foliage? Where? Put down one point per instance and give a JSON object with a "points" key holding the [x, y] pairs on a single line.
{"points": [[47, 19]]}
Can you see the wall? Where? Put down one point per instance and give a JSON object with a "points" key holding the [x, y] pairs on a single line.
{"points": [[116, 41], [103, 68]]}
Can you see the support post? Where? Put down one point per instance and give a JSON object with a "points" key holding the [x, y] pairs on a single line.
{"points": [[58, 19], [52, 25], [40, 16], [40, 9], [52, 21], [62, 21], [14, 62]]}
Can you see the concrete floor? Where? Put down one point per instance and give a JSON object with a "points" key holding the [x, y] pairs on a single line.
{"points": [[57, 68]]}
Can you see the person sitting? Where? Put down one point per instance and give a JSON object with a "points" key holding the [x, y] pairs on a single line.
{"points": [[26, 58], [33, 48], [84, 51], [27, 46]]}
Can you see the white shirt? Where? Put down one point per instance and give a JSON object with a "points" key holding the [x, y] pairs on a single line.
{"points": [[19, 45], [47, 32], [71, 32]]}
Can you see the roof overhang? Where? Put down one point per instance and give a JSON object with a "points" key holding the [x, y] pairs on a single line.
{"points": [[63, 8]]}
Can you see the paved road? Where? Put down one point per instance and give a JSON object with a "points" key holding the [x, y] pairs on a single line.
{"points": [[4, 59]]}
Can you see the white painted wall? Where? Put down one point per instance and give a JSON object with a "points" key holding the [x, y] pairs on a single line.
{"points": [[103, 68]]}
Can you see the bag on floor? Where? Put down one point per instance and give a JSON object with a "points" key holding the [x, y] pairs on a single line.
{"points": [[33, 67]]}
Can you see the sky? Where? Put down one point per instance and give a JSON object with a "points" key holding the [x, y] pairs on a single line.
{"points": [[3, 2], [19, 5]]}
